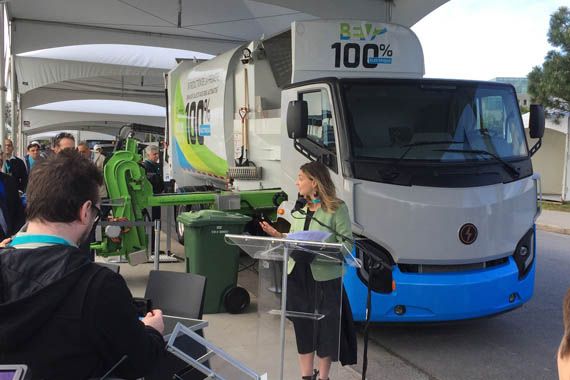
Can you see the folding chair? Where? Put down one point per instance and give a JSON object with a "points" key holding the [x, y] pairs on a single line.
{"points": [[177, 294], [180, 295]]}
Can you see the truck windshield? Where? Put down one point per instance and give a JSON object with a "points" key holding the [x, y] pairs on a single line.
{"points": [[433, 120]]}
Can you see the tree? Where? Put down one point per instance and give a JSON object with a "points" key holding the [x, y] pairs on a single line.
{"points": [[550, 84]]}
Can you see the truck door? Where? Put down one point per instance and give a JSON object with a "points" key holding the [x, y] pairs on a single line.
{"points": [[320, 143]]}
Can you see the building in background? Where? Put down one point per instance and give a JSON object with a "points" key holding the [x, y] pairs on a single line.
{"points": [[521, 87]]}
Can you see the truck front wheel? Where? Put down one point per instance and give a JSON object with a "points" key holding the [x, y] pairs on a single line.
{"points": [[180, 226]]}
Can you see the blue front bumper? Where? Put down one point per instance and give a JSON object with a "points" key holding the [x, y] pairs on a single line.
{"points": [[443, 297]]}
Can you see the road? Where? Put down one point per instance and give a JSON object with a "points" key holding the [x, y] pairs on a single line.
{"points": [[518, 345]]}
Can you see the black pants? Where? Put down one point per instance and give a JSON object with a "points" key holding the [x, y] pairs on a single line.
{"points": [[304, 294]]}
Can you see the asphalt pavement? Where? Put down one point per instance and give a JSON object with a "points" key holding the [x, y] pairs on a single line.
{"points": [[521, 344]]}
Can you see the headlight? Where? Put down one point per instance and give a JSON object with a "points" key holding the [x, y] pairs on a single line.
{"points": [[524, 253]]}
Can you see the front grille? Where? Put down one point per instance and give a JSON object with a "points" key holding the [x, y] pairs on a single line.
{"points": [[429, 268]]}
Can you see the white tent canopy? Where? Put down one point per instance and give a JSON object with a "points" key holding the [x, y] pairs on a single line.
{"points": [[124, 55], [86, 86], [37, 72], [80, 135], [198, 25], [133, 73], [52, 120], [552, 159]]}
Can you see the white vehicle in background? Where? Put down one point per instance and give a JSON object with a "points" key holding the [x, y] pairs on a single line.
{"points": [[436, 173]]}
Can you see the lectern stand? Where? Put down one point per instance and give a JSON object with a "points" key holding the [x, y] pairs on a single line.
{"points": [[304, 313]]}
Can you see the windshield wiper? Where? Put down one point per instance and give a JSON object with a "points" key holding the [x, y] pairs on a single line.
{"points": [[421, 143], [510, 168], [392, 173]]}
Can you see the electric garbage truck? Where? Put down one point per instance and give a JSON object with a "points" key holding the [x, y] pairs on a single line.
{"points": [[436, 174]]}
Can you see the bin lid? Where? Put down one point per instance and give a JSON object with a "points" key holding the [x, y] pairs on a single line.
{"points": [[211, 217]]}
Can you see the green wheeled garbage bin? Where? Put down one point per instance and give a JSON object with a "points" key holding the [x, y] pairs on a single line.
{"points": [[208, 254]]}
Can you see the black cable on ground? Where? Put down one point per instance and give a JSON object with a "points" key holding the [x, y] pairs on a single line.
{"points": [[366, 330], [246, 267], [251, 266]]}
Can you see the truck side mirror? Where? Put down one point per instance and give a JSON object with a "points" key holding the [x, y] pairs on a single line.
{"points": [[297, 119], [536, 121]]}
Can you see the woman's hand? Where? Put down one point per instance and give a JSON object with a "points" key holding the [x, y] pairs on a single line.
{"points": [[269, 230]]}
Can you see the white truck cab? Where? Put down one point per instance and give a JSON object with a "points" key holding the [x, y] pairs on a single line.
{"points": [[436, 173]]}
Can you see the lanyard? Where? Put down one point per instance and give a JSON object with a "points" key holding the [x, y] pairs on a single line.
{"points": [[34, 238]]}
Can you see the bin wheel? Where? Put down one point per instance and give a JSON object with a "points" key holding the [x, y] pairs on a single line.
{"points": [[236, 300]]}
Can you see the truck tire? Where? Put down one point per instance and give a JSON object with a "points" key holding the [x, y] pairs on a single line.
{"points": [[180, 226], [180, 209]]}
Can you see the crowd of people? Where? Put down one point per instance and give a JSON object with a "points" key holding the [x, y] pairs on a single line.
{"points": [[61, 314]]}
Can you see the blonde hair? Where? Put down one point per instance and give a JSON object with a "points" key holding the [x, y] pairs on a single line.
{"points": [[326, 191], [564, 349]]}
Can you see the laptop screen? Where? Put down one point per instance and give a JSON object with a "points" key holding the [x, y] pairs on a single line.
{"points": [[8, 375], [13, 372]]}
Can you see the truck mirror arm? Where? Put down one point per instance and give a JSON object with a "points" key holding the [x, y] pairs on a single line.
{"points": [[314, 152], [535, 147]]}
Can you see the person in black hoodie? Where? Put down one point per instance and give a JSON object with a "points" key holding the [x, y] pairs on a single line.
{"points": [[153, 171], [15, 166], [60, 314], [12, 216]]}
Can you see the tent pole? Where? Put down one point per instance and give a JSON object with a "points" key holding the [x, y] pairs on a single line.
{"points": [[564, 196], [3, 134]]}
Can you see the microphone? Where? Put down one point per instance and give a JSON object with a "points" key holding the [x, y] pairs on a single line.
{"points": [[299, 204], [105, 376]]}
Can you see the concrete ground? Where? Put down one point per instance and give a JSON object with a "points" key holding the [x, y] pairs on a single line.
{"points": [[249, 338], [240, 335]]}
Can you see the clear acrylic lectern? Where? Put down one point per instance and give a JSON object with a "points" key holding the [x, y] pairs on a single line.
{"points": [[299, 302]]}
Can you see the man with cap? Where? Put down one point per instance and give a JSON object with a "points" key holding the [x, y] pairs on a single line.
{"points": [[98, 156], [14, 166], [33, 156]]}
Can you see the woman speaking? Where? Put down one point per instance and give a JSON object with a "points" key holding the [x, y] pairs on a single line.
{"points": [[316, 286]]}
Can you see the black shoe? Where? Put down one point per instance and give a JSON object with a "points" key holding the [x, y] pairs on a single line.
{"points": [[311, 377]]}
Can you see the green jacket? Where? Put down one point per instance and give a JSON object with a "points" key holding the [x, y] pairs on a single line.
{"points": [[338, 221]]}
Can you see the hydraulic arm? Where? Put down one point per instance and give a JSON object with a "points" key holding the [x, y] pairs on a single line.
{"points": [[130, 193]]}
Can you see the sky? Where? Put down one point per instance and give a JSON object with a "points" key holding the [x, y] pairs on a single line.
{"points": [[484, 39]]}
